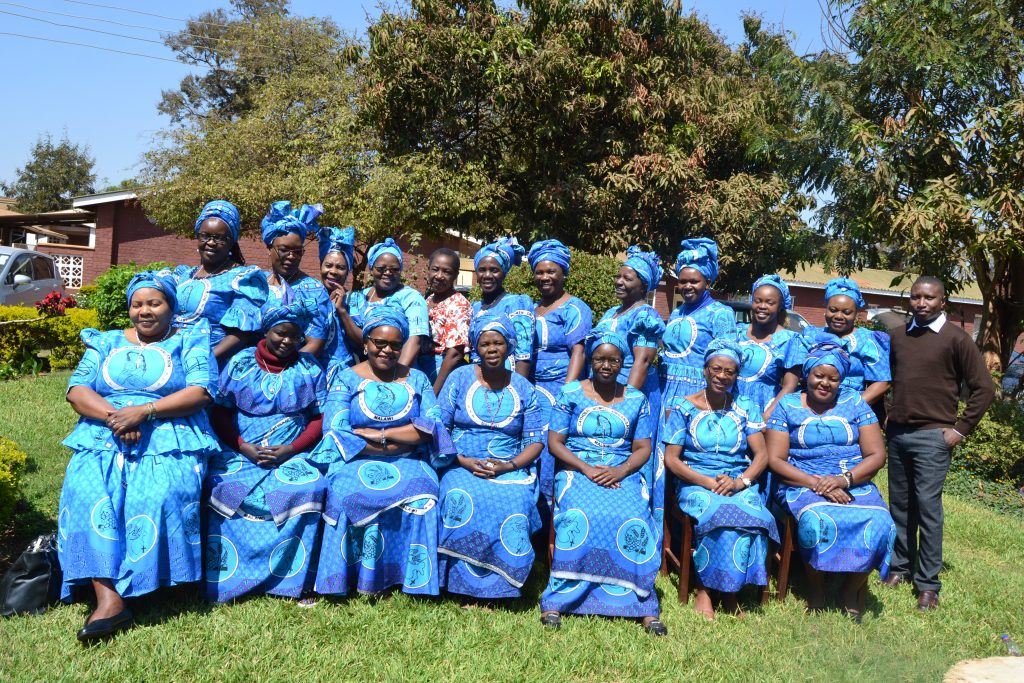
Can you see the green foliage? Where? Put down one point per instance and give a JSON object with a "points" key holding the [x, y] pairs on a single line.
{"points": [[591, 278], [62, 336], [917, 136], [1003, 498], [109, 297], [22, 342], [12, 463], [995, 450], [54, 173], [598, 123], [84, 296]]}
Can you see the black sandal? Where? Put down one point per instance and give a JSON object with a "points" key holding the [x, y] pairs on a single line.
{"points": [[656, 627], [552, 621]]}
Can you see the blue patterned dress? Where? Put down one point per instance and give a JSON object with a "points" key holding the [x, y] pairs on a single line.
{"points": [[642, 326], [381, 517], [556, 333], [519, 309], [307, 287], [869, 358], [131, 513], [858, 536], [732, 531], [231, 299], [486, 524], [687, 335], [337, 350], [406, 298], [607, 541], [764, 365], [263, 526]]}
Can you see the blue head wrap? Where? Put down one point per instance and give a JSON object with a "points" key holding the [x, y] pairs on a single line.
{"points": [[282, 220], [614, 338], [724, 347], [388, 246], [341, 240], [224, 210], [493, 321], [846, 287], [549, 250], [300, 312], [825, 352], [646, 264], [701, 254], [776, 282], [506, 251], [386, 315], [154, 280]]}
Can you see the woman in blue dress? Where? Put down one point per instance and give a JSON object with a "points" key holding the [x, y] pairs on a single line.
{"points": [[607, 545], [284, 232], [869, 358], [489, 495], [824, 447], [562, 323], [264, 490], [492, 263], [129, 508], [709, 439], [221, 293], [383, 438], [765, 345], [385, 263], [694, 323], [337, 257]]}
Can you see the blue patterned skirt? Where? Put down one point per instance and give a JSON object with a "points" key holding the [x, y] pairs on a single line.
{"points": [[486, 524], [262, 528], [547, 392], [381, 527], [606, 549]]}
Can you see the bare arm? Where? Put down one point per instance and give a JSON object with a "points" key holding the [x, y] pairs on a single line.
{"points": [[313, 345], [778, 456], [874, 391], [643, 356], [523, 368], [577, 361], [453, 358], [410, 351], [233, 341], [88, 403]]}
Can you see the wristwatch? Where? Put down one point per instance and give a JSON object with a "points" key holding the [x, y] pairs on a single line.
{"points": [[746, 481]]}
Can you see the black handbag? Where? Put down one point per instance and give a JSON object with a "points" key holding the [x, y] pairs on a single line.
{"points": [[33, 581]]}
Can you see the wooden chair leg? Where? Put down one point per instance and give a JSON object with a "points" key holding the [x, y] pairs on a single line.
{"points": [[551, 538], [685, 560], [766, 591], [785, 557], [666, 542]]}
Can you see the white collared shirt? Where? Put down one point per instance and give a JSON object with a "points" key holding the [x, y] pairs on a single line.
{"points": [[934, 325]]}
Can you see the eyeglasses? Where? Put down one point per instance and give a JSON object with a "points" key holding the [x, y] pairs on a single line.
{"points": [[611, 362], [207, 238], [381, 343], [285, 253], [386, 270]]}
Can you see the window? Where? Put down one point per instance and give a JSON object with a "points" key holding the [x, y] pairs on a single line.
{"points": [[43, 267], [21, 266]]}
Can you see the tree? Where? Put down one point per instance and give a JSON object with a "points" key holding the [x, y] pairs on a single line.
{"points": [[915, 127], [600, 123], [55, 173], [273, 119]]}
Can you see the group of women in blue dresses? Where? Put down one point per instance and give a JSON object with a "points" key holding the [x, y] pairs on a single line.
{"points": [[286, 434]]}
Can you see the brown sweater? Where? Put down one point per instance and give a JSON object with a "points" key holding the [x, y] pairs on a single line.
{"points": [[928, 369]]}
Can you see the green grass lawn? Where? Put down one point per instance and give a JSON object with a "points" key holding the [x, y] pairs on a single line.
{"points": [[402, 638]]}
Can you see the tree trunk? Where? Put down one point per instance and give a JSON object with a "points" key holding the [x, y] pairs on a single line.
{"points": [[1002, 291]]}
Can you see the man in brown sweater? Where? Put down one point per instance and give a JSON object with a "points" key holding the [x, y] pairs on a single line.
{"points": [[930, 359]]}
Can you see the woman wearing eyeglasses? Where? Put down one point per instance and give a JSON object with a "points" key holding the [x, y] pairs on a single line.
{"points": [[385, 263], [383, 438], [284, 233], [492, 264], [221, 292]]}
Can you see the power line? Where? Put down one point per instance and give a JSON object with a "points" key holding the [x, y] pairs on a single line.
{"points": [[82, 28], [94, 47], [136, 11]]}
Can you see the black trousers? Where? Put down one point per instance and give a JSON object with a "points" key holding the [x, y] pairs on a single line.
{"points": [[918, 464]]}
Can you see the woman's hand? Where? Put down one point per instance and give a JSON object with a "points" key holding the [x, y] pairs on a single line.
{"points": [[828, 484], [724, 485], [838, 496], [131, 438], [275, 455], [251, 452], [477, 467], [126, 419], [371, 434], [608, 477], [339, 297]]}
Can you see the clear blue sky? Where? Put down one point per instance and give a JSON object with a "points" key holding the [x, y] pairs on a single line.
{"points": [[108, 100]]}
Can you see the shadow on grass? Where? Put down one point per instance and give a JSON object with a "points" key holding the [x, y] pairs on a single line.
{"points": [[27, 523]]}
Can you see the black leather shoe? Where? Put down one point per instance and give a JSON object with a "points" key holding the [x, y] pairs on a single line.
{"points": [[104, 628], [656, 627], [927, 600], [894, 580]]}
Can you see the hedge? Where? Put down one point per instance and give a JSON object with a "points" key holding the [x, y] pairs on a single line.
{"points": [[12, 464], [22, 341], [995, 450]]}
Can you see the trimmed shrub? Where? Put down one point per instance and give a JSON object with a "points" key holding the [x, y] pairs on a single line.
{"points": [[21, 342], [591, 278], [995, 450], [62, 336], [109, 297], [12, 463]]}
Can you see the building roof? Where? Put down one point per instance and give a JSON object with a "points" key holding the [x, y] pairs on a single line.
{"points": [[103, 198], [872, 281]]}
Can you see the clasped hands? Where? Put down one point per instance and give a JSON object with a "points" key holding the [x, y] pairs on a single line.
{"points": [[831, 487], [266, 455], [724, 485], [124, 423], [486, 468], [608, 477]]}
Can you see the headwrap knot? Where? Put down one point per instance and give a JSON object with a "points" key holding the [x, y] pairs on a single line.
{"points": [[846, 287], [701, 254], [646, 264], [224, 210], [283, 220], [506, 251], [549, 250], [776, 282]]}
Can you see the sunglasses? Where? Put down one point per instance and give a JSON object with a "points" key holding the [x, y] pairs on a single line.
{"points": [[381, 343], [207, 238], [386, 270]]}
